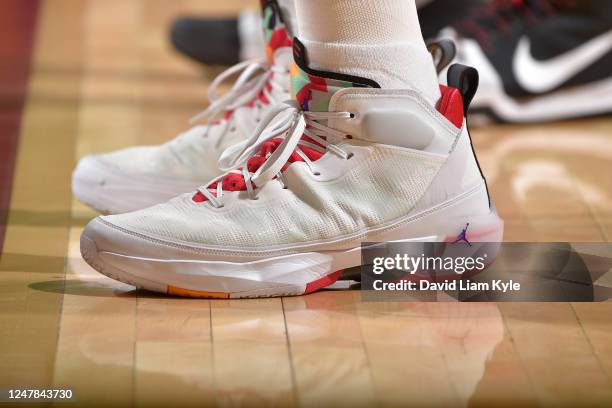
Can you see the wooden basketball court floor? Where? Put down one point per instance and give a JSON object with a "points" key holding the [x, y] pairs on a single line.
{"points": [[102, 76]]}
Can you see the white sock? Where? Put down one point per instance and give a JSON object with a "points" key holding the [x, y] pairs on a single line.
{"points": [[376, 39], [289, 16]]}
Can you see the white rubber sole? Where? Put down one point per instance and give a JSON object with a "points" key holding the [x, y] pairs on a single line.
{"points": [[286, 275], [110, 192], [587, 100]]}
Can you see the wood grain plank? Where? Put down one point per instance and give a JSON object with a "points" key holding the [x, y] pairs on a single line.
{"points": [[251, 356], [556, 354], [327, 349], [34, 253]]}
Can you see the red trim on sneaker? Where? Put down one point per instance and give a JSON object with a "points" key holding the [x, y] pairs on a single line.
{"points": [[322, 282], [235, 182], [451, 105]]}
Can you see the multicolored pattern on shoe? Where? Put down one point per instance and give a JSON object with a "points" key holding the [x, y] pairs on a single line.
{"points": [[276, 34], [313, 93], [313, 89]]}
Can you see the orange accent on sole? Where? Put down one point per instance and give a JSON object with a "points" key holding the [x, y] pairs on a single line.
{"points": [[323, 282], [173, 290]]}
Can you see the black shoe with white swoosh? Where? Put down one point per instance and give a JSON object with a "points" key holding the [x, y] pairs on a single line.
{"points": [[539, 60]]}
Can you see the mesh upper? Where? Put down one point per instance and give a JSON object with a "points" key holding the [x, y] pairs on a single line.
{"points": [[174, 160], [376, 190]]}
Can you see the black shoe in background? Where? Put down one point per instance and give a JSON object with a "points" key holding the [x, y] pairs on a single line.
{"points": [[539, 60], [207, 41], [217, 41], [437, 14]]}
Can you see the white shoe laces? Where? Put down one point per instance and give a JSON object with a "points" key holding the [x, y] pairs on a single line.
{"points": [[254, 79], [292, 123]]}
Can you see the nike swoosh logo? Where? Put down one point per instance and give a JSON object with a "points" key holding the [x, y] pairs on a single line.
{"points": [[545, 76]]}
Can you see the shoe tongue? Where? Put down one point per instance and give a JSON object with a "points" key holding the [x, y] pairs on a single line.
{"points": [[313, 89], [276, 34]]}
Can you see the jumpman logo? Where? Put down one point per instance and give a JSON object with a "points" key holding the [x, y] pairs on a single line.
{"points": [[463, 236]]}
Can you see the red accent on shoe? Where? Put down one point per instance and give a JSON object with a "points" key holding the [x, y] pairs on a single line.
{"points": [[263, 98], [312, 154], [280, 38], [303, 94], [235, 182], [198, 198], [451, 105], [253, 164], [318, 83], [322, 282]]}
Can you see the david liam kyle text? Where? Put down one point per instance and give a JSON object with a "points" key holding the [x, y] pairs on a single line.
{"points": [[497, 285]]}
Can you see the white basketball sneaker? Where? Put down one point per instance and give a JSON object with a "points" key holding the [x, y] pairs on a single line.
{"points": [[346, 163], [140, 177]]}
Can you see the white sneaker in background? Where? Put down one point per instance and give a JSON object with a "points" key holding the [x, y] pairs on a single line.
{"points": [[140, 177]]}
